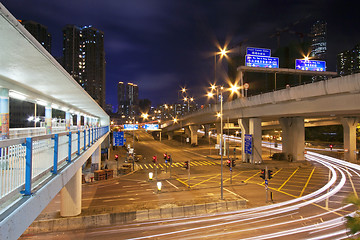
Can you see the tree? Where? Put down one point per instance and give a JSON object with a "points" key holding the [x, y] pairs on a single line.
{"points": [[353, 223]]}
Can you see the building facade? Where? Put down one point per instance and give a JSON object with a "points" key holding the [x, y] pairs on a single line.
{"points": [[39, 32], [128, 99], [84, 59], [348, 61], [318, 42]]}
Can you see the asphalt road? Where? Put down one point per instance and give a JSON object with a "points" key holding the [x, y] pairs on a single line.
{"points": [[308, 198]]}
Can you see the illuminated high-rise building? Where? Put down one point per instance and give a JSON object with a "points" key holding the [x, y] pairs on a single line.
{"points": [[348, 61], [84, 59], [318, 42], [39, 32], [128, 99]]}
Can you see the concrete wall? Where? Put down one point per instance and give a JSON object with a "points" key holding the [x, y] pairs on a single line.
{"points": [[83, 222]]}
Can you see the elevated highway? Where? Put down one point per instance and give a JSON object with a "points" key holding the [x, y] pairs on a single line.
{"points": [[332, 101]]}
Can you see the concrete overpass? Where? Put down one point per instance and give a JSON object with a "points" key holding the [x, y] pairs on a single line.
{"points": [[332, 101], [33, 169]]}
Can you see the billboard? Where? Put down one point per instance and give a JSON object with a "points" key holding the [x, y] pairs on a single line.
{"points": [[258, 61], [310, 65], [258, 52]]}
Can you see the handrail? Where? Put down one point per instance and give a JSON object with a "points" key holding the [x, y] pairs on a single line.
{"points": [[24, 160]]}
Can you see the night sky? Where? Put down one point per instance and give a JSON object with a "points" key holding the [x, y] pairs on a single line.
{"points": [[163, 45]]}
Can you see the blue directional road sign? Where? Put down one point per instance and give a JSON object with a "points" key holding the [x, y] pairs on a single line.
{"points": [[310, 65], [248, 143], [151, 126], [258, 61], [258, 52], [118, 138], [131, 126]]}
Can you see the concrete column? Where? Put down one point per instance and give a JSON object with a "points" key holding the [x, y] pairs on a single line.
{"points": [[194, 136], [244, 125], [293, 137], [255, 131], [206, 130], [4, 114], [349, 124], [48, 119], [218, 132], [67, 121], [96, 159], [71, 196], [170, 135], [187, 133]]}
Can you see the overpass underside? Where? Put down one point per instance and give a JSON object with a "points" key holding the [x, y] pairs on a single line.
{"points": [[329, 102]]}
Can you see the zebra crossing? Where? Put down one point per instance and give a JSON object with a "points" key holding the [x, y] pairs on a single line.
{"points": [[175, 164]]}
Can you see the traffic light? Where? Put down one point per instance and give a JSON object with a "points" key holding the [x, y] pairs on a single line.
{"points": [[169, 158], [269, 174], [262, 173], [331, 147], [154, 159], [165, 156], [116, 157], [186, 165], [228, 162], [233, 163]]}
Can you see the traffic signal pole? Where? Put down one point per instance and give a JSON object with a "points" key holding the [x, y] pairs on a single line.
{"points": [[189, 173], [266, 183]]}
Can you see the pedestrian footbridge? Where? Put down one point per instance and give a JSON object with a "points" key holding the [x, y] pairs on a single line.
{"points": [[38, 163]]}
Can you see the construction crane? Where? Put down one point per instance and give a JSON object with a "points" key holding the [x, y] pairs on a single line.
{"points": [[289, 29]]}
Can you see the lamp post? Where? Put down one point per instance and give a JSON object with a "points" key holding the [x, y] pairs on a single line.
{"points": [[188, 99], [210, 94]]}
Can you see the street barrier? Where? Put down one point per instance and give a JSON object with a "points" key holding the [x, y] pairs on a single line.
{"points": [[24, 162]]}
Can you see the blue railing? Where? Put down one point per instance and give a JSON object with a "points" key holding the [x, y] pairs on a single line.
{"points": [[25, 161]]}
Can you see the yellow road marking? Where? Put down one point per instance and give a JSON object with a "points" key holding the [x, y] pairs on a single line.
{"points": [[182, 182], [277, 171], [252, 176], [307, 182], [306, 201], [141, 167], [146, 166], [288, 179], [206, 180], [352, 184], [151, 165]]}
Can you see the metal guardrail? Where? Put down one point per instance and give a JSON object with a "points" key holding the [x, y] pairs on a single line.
{"points": [[25, 160]]}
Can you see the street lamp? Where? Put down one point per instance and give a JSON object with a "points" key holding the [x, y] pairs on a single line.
{"points": [[188, 99], [213, 87]]}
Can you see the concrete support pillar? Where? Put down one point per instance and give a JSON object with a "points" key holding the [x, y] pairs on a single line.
{"points": [[71, 196], [244, 125], [293, 137], [255, 131], [349, 125], [4, 114], [67, 121], [170, 135], [96, 159], [187, 133], [194, 137], [218, 132], [206, 130], [48, 119]]}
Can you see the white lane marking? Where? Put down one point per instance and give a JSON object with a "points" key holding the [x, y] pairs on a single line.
{"points": [[172, 184], [236, 194]]}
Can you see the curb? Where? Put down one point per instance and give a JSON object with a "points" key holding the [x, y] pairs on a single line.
{"points": [[101, 220]]}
